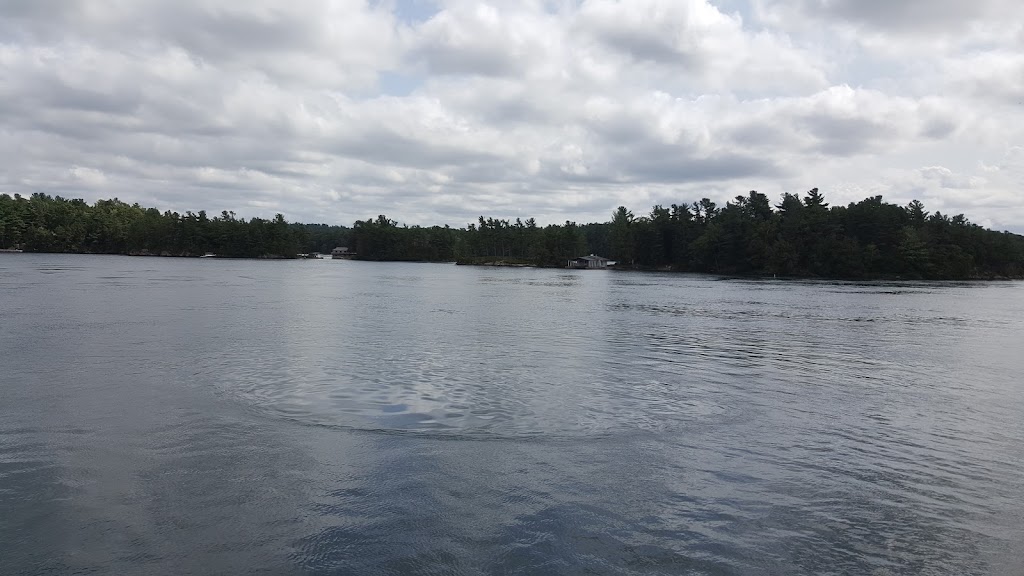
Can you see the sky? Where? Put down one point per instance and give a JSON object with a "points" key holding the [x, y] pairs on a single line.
{"points": [[436, 112]]}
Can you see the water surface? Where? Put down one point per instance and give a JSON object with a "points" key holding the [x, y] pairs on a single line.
{"points": [[340, 417]]}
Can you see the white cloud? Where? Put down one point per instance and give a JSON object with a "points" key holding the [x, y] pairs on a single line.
{"points": [[88, 176]]}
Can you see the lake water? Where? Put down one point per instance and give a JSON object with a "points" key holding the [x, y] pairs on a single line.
{"points": [[214, 416]]}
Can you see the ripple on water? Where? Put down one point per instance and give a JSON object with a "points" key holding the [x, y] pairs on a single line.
{"points": [[471, 395]]}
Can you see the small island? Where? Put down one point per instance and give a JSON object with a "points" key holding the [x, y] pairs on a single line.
{"points": [[798, 237]]}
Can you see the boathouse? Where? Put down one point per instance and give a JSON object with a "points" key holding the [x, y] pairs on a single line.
{"points": [[588, 262]]}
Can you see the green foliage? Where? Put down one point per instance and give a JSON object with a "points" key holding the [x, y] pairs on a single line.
{"points": [[490, 240], [383, 239], [805, 237], [43, 223], [799, 237], [322, 238]]}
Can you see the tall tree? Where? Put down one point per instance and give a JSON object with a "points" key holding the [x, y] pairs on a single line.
{"points": [[623, 240]]}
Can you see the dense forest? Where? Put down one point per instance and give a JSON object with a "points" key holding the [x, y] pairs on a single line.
{"points": [[799, 236], [42, 223], [748, 236]]}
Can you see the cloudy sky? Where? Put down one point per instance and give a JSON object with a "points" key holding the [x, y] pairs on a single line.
{"points": [[437, 111]]}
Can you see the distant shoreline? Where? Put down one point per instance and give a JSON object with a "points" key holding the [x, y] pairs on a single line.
{"points": [[749, 237], [503, 264], [183, 256]]}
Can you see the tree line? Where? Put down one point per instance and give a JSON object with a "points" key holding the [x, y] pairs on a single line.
{"points": [[799, 236], [42, 223], [806, 237], [488, 241]]}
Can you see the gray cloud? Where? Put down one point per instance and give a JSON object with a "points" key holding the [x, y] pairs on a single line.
{"points": [[918, 16], [846, 136], [664, 166]]}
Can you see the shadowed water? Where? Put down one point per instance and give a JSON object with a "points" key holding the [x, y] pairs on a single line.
{"points": [[339, 417]]}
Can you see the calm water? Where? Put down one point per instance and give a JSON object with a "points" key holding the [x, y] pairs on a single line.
{"points": [[334, 417]]}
